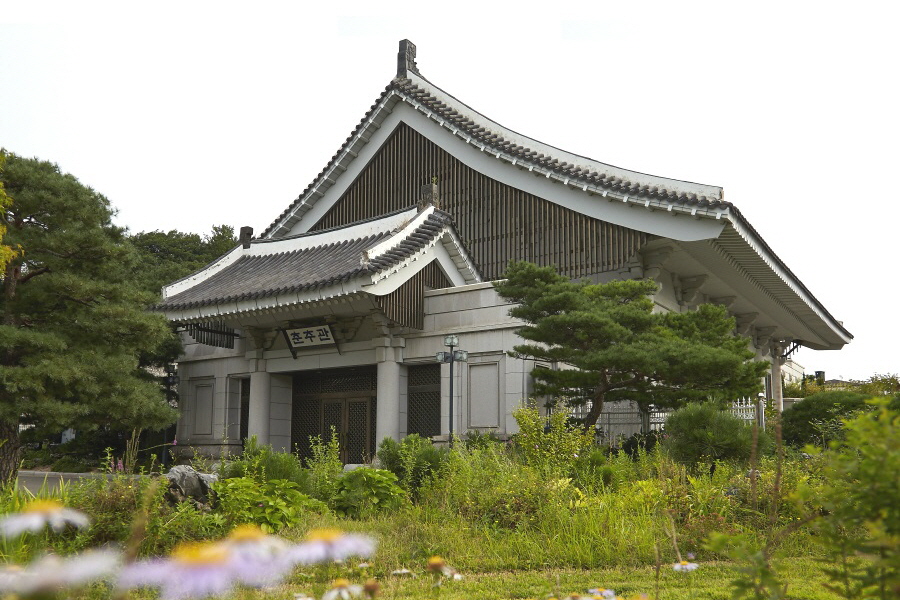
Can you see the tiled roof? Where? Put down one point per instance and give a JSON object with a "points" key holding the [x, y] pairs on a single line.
{"points": [[485, 132], [310, 261]]}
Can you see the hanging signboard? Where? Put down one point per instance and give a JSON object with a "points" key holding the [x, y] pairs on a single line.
{"points": [[317, 335]]}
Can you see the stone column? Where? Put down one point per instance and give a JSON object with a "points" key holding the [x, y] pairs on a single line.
{"points": [[258, 419], [387, 416], [777, 394]]}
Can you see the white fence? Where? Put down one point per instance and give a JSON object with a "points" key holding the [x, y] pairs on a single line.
{"points": [[622, 419]]}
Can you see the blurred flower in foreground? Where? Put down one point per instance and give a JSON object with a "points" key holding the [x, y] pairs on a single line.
{"points": [[342, 589], [52, 573], [38, 514], [247, 557], [327, 545], [685, 566], [439, 567], [193, 570], [602, 593]]}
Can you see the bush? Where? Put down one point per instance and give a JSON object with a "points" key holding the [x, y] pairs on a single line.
{"points": [[325, 466], [641, 441], [591, 471], [817, 418], [704, 432], [365, 490], [70, 464], [263, 463], [551, 444], [273, 504], [412, 460]]}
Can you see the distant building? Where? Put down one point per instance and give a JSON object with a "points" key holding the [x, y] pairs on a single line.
{"points": [[333, 316]]}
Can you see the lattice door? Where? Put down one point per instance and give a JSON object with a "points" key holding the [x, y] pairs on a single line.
{"points": [[424, 396]]}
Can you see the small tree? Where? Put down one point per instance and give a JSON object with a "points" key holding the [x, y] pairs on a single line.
{"points": [[614, 346], [73, 317]]}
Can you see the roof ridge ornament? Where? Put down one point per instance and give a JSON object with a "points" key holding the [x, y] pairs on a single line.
{"points": [[406, 59]]}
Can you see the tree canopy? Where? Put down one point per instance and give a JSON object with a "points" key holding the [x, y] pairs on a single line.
{"points": [[610, 344], [168, 256], [74, 323], [6, 251]]}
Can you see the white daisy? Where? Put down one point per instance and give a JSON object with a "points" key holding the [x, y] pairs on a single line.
{"points": [[193, 570], [329, 545], [684, 566], [52, 573], [38, 514], [342, 589]]}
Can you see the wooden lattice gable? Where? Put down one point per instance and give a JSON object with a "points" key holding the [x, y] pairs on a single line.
{"points": [[689, 214], [375, 257]]}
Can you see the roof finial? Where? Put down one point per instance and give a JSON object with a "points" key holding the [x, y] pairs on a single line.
{"points": [[406, 59]]}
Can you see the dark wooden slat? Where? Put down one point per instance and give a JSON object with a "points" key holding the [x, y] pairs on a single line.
{"points": [[496, 222]]}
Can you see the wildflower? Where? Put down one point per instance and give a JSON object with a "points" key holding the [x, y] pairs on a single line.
{"points": [[437, 566], [371, 588], [193, 570], [602, 593], [685, 566], [51, 573], [327, 545], [38, 514], [342, 589], [257, 559], [402, 572]]}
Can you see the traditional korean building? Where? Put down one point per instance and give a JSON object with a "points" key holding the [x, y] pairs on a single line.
{"points": [[332, 317]]}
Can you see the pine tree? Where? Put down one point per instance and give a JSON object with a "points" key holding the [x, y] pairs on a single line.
{"points": [[611, 345], [74, 322]]}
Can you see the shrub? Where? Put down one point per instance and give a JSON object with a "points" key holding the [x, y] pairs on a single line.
{"points": [[273, 504], [817, 418], [365, 490], [861, 507], [641, 441], [479, 439], [412, 460], [264, 463], [551, 444], [591, 471], [701, 432], [325, 466], [70, 464]]}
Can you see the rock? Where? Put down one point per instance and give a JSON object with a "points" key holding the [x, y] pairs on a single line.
{"points": [[186, 484]]}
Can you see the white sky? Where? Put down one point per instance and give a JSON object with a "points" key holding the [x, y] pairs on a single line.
{"points": [[190, 114]]}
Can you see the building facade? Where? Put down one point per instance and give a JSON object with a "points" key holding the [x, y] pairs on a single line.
{"points": [[332, 317]]}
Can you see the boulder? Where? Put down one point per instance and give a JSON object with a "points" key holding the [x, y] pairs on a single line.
{"points": [[187, 484]]}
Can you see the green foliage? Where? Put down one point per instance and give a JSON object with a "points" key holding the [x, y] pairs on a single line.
{"points": [[817, 418], [413, 460], [861, 505], [325, 466], [590, 471], [550, 444], [74, 324], [757, 579], [641, 442], [262, 463], [704, 432], [169, 256], [488, 486], [479, 439], [70, 464], [7, 252], [273, 504], [365, 490], [619, 347]]}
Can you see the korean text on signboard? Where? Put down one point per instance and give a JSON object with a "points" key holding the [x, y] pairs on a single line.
{"points": [[319, 335]]}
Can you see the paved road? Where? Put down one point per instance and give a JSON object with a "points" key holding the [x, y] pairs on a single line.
{"points": [[33, 481]]}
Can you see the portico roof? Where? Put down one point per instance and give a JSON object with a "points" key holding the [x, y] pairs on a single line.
{"points": [[375, 256]]}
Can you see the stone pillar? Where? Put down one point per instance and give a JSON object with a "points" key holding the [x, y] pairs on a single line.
{"points": [[387, 416], [777, 394], [258, 419]]}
